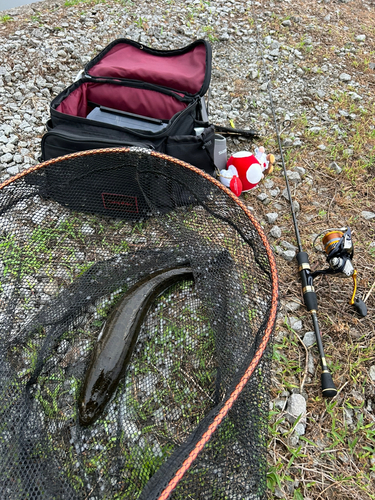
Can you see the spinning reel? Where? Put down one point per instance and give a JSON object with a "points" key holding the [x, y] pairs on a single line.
{"points": [[338, 246]]}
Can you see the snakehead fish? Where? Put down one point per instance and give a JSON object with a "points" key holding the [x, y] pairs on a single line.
{"points": [[117, 339]]}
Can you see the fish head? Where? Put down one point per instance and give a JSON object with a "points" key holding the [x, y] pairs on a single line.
{"points": [[94, 399]]}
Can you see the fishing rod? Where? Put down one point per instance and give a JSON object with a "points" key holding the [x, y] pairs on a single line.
{"points": [[338, 247], [311, 302]]}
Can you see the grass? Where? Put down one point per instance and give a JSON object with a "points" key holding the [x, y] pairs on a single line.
{"points": [[6, 18]]}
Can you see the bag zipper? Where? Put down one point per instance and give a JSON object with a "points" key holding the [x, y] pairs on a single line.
{"points": [[96, 142]]}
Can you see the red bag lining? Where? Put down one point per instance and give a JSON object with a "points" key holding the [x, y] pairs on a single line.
{"points": [[140, 101], [184, 72]]}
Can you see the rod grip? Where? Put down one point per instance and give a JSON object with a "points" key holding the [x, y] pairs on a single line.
{"points": [[309, 295], [328, 387]]}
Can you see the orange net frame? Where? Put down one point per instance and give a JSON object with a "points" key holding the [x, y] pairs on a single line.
{"points": [[189, 416]]}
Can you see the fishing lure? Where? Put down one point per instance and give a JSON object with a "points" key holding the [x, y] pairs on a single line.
{"points": [[116, 341]]}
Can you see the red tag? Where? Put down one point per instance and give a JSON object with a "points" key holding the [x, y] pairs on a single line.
{"points": [[120, 202]]}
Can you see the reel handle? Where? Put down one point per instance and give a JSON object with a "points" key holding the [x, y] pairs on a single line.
{"points": [[360, 307]]}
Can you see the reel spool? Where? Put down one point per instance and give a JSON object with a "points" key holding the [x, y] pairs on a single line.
{"points": [[338, 246]]}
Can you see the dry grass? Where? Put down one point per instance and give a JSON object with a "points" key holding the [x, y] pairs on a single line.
{"points": [[336, 456]]}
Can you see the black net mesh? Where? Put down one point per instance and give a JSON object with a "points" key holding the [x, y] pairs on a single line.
{"points": [[75, 234]]}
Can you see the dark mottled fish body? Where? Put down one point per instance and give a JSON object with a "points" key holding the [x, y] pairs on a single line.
{"points": [[115, 344]]}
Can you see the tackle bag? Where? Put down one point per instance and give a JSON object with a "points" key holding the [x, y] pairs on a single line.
{"points": [[132, 95]]}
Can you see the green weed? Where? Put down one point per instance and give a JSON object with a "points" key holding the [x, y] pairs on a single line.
{"points": [[6, 19]]}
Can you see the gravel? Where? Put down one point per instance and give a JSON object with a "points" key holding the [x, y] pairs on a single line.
{"points": [[38, 59]]}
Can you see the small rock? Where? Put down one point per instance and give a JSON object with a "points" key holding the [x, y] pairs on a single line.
{"points": [[335, 167], [288, 246], [287, 23], [51, 289], [355, 96], [269, 183], [292, 306], [309, 339], [267, 40], [264, 87], [296, 407], [275, 232], [7, 158], [300, 429], [271, 217], [158, 415], [368, 215], [344, 77], [278, 493], [174, 414], [262, 197], [348, 415], [310, 364], [287, 142], [86, 229], [293, 441], [253, 74], [322, 147], [285, 194], [296, 207], [63, 347], [360, 38], [300, 170], [295, 323], [288, 255], [293, 176], [131, 431], [13, 170], [348, 152], [279, 403], [372, 373], [18, 158], [38, 217]]}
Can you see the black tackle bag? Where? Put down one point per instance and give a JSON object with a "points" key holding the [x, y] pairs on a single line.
{"points": [[132, 95]]}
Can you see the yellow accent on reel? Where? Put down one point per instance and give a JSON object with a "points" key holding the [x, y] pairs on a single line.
{"points": [[355, 287]]}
